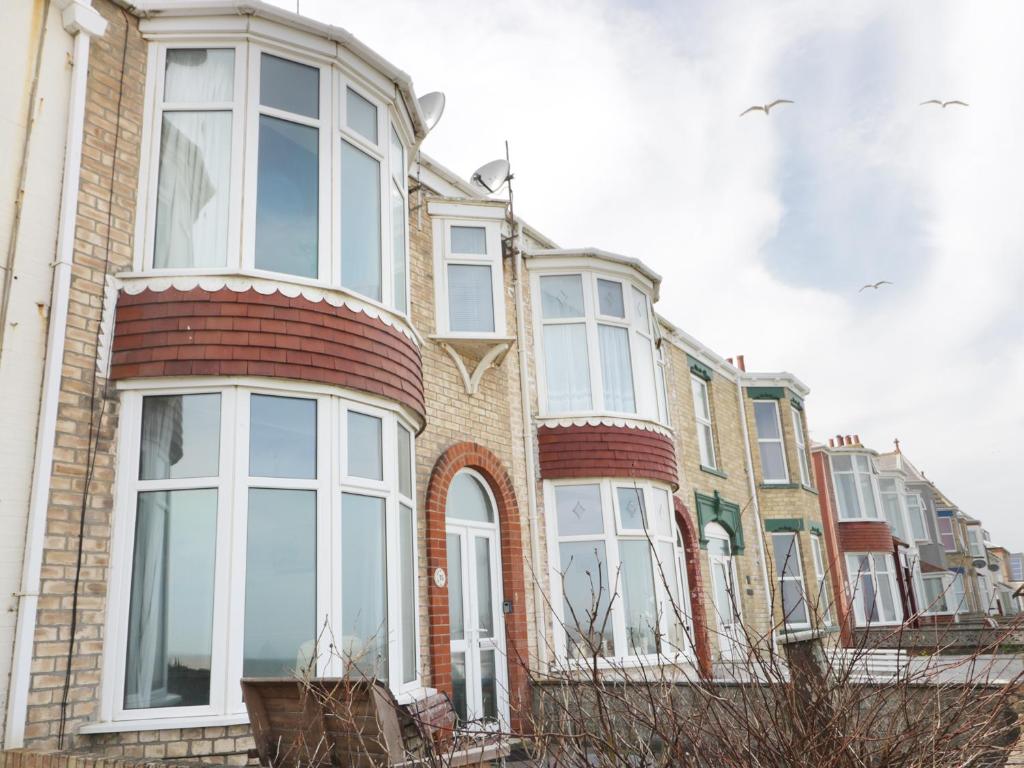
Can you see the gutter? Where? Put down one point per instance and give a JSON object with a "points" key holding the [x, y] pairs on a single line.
{"points": [[82, 21]]}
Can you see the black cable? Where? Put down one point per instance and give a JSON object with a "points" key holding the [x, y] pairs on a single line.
{"points": [[92, 445]]}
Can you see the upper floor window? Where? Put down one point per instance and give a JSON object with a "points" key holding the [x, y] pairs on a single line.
{"points": [[770, 444], [916, 511], [702, 411], [856, 486], [319, 163], [935, 594], [977, 546], [947, 534], [874, 589], [803, 460], [597, 337], [468, 277], [891, 491]]}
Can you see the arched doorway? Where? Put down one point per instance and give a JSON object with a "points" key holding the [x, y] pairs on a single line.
{"points": [[724, 589]]}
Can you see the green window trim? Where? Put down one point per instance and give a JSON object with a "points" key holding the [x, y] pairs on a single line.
{"points": [[766, 393], [714, 509], [787, 524], [697, 368], [796, 401], [816, 530]]}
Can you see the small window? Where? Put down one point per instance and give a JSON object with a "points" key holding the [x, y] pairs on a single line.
{"points": [[702, 412], [790, 578], [470, 303], [365, 446], [769, 442], [946, 534], [803, 461], [361, 115]]}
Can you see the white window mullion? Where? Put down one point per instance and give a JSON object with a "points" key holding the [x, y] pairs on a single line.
{"points": [[250, 108]]}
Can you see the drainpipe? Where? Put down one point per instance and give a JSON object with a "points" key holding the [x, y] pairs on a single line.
{"points": [[756, 505], [81, 21], [531, 470]]}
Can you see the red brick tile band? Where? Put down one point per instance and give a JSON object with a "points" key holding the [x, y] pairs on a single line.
{"points": [[866, 536], [606, 451], [694, 578], [467, 455], [247, 333]]}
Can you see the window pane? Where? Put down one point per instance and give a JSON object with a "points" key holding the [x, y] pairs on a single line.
{"points": [[632, 512], [364, 599], [661, 514], [916, 513], [674, 608], [641, 315], [456, 610], [724, 592], [459, 686], [361, 115], [579, 510], [765, 414], [287, 198], [470, 298], [469, 240], [567, 367], [407, 546], [484, 603], [360, 222], [280, 583], [868, 494], [794, 608], [846, 490], [609, 298], [397, 159], [785, 554], [404, 462], [638, 597], [707, 449], [180, 437], [894, 513], [489, 684], [290, 86], [199, 75], [399, 267], [616, 369], [587, 602], [193, 190], [170, 621], [282, 437], [773, 463], [561, 296], [467, 500], [700, 398], [842, 464], [365, 456]]}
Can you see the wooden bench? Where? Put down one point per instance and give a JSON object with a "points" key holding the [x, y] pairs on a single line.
{"points": [[339, 722]]}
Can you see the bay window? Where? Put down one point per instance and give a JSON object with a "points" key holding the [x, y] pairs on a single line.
{"points": [[263, 532], [618, 570], [874, 589], [891, 493], [770, 443], [597, 340], [244, 121], [702, 411], [789, 574], [803, 460], [856, 486]]}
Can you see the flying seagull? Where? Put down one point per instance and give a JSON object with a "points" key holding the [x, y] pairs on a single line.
{"points": [[876, 286], [944, 104], [766, 108]]}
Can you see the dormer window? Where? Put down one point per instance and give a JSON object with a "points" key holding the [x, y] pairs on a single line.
{"points": [[856, 486]]}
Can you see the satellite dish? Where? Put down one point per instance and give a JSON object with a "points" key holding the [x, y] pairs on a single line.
{"points": [[432, 107], [979, 562], [492, 176], [993, 567]]}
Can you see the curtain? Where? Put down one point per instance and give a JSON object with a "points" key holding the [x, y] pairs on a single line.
{"points": [[616, 371], [470, 300], [567, 367]]}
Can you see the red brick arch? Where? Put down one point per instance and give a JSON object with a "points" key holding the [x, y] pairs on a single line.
{"points": [[696, 585], [468, 455]]}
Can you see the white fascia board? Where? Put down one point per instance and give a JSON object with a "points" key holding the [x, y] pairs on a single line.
{"points": [[695, 348], [596, 253], [775, 379], [467, 209]]}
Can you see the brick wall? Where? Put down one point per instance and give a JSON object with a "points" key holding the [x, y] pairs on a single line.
{"points": [[865, 536], [609, 451]]}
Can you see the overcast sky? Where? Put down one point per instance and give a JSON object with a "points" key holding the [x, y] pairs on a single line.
{"points": [[624, 130]]}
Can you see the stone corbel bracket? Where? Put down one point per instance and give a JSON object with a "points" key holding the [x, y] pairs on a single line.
{"points": [[488, 353]]}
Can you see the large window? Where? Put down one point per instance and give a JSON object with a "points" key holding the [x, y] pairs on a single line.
{"points": [[244, 122], [803, 459], [856, 486], [789, 574], [891, 492], [470, 302], [598, 346], [705, 433], [917, 511], [264, 532], [770, 444], [618, 570], [874, 590]]}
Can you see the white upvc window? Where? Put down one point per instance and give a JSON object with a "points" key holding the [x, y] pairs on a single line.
{"points": [[856, 486], [959, 594], [890, 491], [618, 570], [597, 345], [947, 533], [803, 458], [937, 594], [974, 537], [705, 432], [770, 443], [823, 606], [266, 160], [663, 415], [789, 575], [916, 511], [261, 530], [469, 295], [872, 584]]}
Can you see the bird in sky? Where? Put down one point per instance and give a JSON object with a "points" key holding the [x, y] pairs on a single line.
{"points": [[945, 104], [876, 286], [766, 108]]}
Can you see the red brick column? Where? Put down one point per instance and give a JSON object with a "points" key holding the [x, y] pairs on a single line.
{"points": [[469, 455], [696, 584]]}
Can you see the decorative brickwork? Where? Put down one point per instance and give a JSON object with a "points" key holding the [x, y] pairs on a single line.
{"points": [[865, 536], [696, 583], [473, 456], [606, 451], [247, 333]]}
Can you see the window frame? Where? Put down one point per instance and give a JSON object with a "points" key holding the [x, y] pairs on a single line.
{"points": [[443, 257], [803, 459], [781, 440], [611, 536], [233, 483], [945, 591], [822, 603], [905, 533], [698, 382], [336, 75], [939, 520], [781, 577], [856, 473], [857, 596], [920, 515]]}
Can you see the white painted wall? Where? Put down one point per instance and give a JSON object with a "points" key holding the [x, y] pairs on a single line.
{"points": [[24, 334]]}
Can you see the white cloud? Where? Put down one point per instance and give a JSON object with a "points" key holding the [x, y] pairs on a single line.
{"points": [[624, 134]]}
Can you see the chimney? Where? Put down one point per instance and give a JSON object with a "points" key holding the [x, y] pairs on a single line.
{"points": [[839, 441], [831, 442], [848, 440], [741, 363], [728, 360], [856, 439]]}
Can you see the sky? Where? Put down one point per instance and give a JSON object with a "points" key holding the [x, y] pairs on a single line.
{"points": [[624, 128]]}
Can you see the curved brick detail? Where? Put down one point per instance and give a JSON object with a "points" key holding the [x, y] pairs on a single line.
{"points": [[467, 455], [606, 451], [695, 580], [865, 536], [229, 333]]}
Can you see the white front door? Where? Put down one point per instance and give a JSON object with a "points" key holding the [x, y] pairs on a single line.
{"points": [[724, 590], [476, 621]]}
